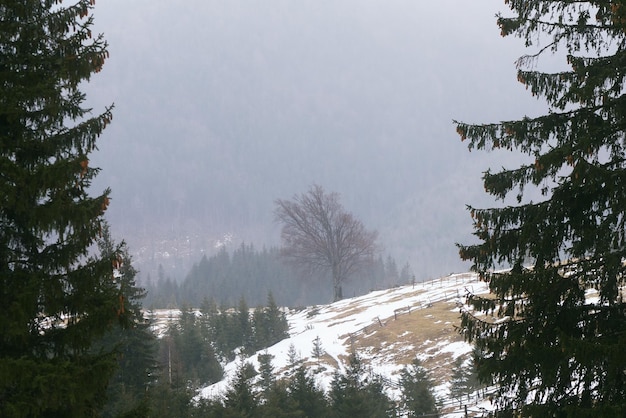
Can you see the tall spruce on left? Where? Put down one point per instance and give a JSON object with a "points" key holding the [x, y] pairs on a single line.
{"points": [[56, 298]]}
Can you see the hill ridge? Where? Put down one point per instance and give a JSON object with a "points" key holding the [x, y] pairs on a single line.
{"points": [[387, 328]]}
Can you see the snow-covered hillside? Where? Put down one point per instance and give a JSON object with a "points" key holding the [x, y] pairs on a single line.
{"points": [[387, 329]]}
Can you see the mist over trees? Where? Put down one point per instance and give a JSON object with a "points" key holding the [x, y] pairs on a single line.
{"points": [[319, 235], [555, 345], [350, 95], [251, 274]]}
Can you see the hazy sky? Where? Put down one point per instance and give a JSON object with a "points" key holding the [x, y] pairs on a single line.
{"points": [[224, 106]]}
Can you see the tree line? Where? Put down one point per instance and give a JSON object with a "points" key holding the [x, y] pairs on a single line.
{"points": [[248, 273], [160, 376], [353, 392]]}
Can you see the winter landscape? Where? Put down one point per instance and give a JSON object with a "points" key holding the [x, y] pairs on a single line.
{"points": [[387, 329], [250, 209]]}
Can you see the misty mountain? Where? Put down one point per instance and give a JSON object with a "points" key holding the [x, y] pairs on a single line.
{"points": [[223, 107]]}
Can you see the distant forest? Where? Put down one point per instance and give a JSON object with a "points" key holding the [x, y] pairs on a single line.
{"points": [[250, 274]]}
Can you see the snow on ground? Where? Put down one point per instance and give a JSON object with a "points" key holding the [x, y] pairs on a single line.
{"points": [[337, 324]]}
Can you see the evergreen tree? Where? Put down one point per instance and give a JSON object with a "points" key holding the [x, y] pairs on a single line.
{"points": [[279, 404], [135, 345], [240, 398], [461, 382], [277, 325], [317, 351], [417, 396], [391, 271], [406, 274], [57, 297], [309, 399], [196, 359], [260, 328], [244, 327], [357, 393], [171, 401], [267, 381], [556, 350], [293, 356]]}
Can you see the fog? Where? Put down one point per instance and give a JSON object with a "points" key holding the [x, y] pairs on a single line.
{"points": [[221, 107]]}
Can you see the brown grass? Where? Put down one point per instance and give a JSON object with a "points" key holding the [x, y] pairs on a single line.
{"points": [[416, 330]]}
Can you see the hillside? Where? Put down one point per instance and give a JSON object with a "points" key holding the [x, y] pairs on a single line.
{"points": [[387, 328]]}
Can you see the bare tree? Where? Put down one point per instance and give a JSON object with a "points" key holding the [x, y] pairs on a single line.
{"points": [[318, 234]]}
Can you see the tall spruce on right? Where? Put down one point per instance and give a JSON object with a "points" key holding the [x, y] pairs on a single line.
{"points": [[553, 334]]}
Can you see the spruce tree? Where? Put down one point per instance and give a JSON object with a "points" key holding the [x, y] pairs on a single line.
{"points": [[267, 380], [317, 351], [310, 400], [357, 393], [240, 397], [57, 297], [417, 391], [557, 345], [461, 382], [135, 344]]}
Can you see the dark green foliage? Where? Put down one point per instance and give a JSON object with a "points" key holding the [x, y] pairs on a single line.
{"points": [[293, 356], [135, 344], [57, 297], [267, 381], [186, 355], [241, 397], [228, 330], [250, 273], [357, 393], [308, 398], [168, 401], [279, 404], [270, 324], [558, 352], [417, 395]]}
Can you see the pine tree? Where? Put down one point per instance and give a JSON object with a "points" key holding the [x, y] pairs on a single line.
{"points": [[357, 393], [317, 351], [293, 356], [245, 337], [308, 397], [267, 381], [461, 382], [417, 391], [198, 364], [240, 398], [135, 344], [561, 226], [57, 297], [277, 325]]}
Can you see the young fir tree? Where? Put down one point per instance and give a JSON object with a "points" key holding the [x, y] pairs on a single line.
{"points": [[552, 349], [317, 351], [57, 297]]}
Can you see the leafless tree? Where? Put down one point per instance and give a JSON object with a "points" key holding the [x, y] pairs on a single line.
{"points": [[318, 234]]}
